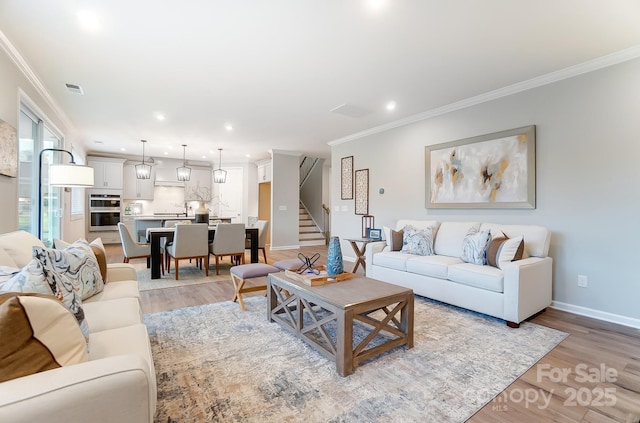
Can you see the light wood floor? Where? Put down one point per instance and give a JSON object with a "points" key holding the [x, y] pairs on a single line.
{"points": [[584, 394]]}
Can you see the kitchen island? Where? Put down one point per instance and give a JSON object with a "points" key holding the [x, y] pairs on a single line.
{"points": [[142, 222]]}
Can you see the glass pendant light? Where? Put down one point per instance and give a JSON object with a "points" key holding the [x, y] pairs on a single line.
{"points": [[143, 171], [184, 172], [219, 175]]}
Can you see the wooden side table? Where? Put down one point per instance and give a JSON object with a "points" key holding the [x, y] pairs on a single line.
{"points": [[360, 252]]}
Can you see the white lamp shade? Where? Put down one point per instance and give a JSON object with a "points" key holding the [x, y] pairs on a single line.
{"points": [[143, 171], [70, 175], [184, 173]]}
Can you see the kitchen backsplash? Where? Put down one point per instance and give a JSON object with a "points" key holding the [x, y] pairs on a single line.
{"points": [[166, 199]]}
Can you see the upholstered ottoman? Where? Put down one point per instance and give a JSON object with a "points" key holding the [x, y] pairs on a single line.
{"points": [[240, 274]]}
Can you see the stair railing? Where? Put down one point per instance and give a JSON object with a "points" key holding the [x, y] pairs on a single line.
{"points": [[326, 223]]}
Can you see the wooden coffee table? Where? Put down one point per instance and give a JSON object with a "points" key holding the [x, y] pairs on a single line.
{"points": [[324, 316]]}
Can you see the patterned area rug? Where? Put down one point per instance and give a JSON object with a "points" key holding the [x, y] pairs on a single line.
{"points": [[215, 363], [189, 275]]}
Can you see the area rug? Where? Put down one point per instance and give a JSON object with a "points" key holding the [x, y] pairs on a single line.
{"points": [[215, 363], [189, 275]]}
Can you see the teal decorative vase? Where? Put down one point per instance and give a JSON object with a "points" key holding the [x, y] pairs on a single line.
{"points": [[334, 257]]}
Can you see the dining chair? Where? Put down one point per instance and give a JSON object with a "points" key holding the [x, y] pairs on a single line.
{"points": [[133, 250], [166, 241], [228, 241], [190, 241], [263, 227]]}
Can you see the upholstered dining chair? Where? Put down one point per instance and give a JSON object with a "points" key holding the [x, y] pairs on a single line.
{"points": [[228, 241], [263, 227], [133, 250], [164, 242], [190, 241]]}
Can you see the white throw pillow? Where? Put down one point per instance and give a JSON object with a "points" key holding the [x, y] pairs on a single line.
{"points": [[475, 246], [511, 250]]}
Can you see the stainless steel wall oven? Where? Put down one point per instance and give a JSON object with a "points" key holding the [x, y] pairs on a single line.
{"points": [[104, 211]]}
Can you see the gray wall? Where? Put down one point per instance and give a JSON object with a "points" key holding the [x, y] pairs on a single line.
{"points": [[285, 194], [588, 175]]}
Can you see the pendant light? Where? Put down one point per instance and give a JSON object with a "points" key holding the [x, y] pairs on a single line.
{"points": [[143, 171], [219, 175], [184, 172]]}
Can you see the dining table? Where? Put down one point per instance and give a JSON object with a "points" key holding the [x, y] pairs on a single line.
{"points": [[154, 235]]}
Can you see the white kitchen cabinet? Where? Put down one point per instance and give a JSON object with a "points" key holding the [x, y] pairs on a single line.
{"points": [[229, 195], [264, 172], [200, 181], [134, 188], [107, 172]]}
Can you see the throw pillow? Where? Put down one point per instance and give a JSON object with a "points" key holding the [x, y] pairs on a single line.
{"points": [[29, 279], [56, 271], [98, 250], [474, 247], [505, 250], [395, 240], [418, 242], [6, 273], [38, 334], [78, 263]]}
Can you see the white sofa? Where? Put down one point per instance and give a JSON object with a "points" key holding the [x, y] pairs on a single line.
{"points": [[117, 383], [519, 290]]}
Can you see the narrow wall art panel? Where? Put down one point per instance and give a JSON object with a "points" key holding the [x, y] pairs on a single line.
{"points": [[488, 171], [8, 150], [362, 191], [346, 178]]}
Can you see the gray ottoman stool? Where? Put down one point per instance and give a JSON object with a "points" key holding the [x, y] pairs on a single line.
{"points": [[288, 264], [240, 274]]}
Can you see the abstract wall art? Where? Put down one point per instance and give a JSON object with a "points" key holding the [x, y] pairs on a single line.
{"points": [[8, 150], [488, 171]]}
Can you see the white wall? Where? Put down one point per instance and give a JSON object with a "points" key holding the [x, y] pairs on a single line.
{"points": [[285, 196], [588, 148]]}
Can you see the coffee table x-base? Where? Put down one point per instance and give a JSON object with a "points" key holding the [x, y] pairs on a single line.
{"points": [[310, 312]]}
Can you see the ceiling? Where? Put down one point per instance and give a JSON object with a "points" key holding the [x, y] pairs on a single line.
{"points": [[275, 69]]}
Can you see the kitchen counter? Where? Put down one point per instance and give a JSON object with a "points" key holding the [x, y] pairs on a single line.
{"points": [[142, 222]]}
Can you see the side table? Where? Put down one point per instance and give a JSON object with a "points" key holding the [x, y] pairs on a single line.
{"points": [[360, 252]]}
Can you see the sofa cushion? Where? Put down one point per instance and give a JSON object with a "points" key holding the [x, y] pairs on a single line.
{"points": [[112, 314], [18, 245], [98, 250], [38, 334], [79, 265], [484, 277], [114, 290], [434, 266], [448, 239], [418, 242], [391, 259], [475, 246]]}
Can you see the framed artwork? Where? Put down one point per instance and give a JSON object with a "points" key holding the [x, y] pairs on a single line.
{"points": [[362, 191], [374, 233], [346, 178], [8, 150], [488, 171]]}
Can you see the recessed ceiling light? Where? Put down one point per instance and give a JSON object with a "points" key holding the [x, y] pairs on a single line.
{"points": [[376, 5], [248, 155], [123, 149], [88, 20], [166, 153], [391, 106], [228, 127], [204, 157], [160, 116]]}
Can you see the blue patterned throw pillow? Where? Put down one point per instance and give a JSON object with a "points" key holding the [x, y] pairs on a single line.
{"points": [[418, 242], [475, 246]]}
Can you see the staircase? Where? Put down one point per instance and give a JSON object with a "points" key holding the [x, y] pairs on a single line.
{"points": [[309, 233]]}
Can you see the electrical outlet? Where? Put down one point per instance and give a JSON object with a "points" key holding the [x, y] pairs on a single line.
{"points": [[582, 281]]}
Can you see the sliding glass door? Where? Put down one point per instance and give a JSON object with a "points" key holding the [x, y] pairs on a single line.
{"points": [[34, 136]]}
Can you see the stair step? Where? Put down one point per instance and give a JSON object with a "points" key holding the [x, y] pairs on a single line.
{"points": [[310, 235], [309, 242]]}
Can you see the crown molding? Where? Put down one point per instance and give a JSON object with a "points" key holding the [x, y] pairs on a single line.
{"points": [[31, 76], [566, 73]]}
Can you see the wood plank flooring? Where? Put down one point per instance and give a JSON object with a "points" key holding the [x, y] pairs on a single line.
{"points": [[601, 383]]}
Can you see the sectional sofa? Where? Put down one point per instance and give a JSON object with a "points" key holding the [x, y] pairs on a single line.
{"points": [[509, 290], [112, 377]]}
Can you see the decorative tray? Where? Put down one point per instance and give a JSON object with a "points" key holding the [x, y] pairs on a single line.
{"points": [[311, 279]]}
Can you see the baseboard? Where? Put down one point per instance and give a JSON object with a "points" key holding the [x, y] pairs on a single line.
{"points": [[597, 314], [285, 247]]}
